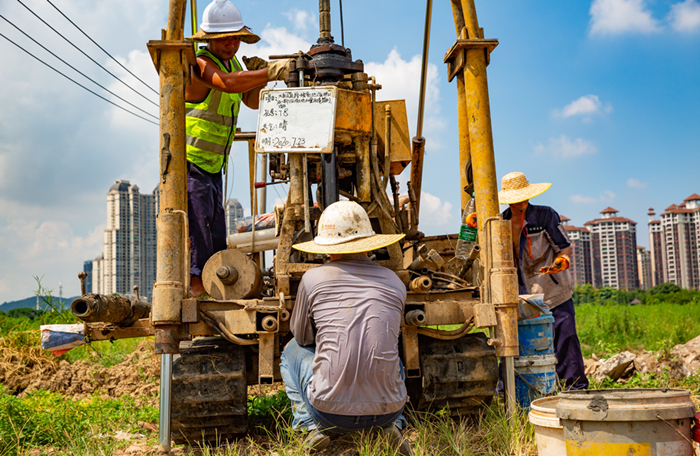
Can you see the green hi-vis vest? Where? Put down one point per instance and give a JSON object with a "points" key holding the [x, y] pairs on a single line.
{"points": [[211, 124]]}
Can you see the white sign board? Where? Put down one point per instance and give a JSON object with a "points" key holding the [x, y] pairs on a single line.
{"points": [[296, 120]]}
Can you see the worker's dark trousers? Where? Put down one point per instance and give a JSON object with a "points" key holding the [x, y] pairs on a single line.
{"points": [[206, 216], [570, 369], [567, 347]]}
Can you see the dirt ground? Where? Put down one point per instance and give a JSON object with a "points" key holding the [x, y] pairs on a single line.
{"points": [[135, 376]]}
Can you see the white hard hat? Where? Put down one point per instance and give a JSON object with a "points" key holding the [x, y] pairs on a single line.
{"points": [[344, 227], [222, 16]]}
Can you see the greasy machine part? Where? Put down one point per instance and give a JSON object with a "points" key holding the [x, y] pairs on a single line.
{"points": [[460, 374], [209, 392], [230, 274]]}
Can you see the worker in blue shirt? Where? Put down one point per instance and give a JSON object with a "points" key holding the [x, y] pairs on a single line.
{"points": [[542, 253]]}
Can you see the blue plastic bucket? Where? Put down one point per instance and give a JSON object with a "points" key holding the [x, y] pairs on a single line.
{"points": [[536, 336], [535, 377]]}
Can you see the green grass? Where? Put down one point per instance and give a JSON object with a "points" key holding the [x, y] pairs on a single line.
{"points": [[609, 329], [50, 419]]}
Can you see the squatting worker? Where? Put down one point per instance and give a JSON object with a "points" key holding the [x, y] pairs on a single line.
{"points": [[213, 99], [342, 370], [542, 256]]}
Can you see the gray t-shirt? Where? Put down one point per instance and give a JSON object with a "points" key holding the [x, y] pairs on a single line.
{"points": [[356, 307]]}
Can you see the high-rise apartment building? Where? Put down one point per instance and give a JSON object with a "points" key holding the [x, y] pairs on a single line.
{"points": [[129, 256], [657, 250], [580, 238], [87, 269], [675, 243], [614, 251], [234, 212], [644, 267]]}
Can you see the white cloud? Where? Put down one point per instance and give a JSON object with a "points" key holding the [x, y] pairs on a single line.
{"points": [[685, 16], [301, 20], [275, 41], [400, 79], [434, 211], [581, 199], [585, 106], [636, 183], [615, 17], [606, 197], [565, 147], [53, 180]]}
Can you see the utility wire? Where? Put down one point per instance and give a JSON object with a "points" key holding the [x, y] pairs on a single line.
{"points": [[77, 70], [103, 50], [77, 83], [83, 52]]}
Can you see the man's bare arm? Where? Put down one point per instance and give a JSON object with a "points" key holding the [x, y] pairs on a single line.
{"points": [[206, 75], [252, 98]]}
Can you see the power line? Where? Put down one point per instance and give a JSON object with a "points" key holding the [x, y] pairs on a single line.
{"points": [[77, 83], [75, 69], [103, 50], [83, 52]]}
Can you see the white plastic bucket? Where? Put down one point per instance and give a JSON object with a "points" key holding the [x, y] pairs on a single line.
{"points": [[549, 432]]}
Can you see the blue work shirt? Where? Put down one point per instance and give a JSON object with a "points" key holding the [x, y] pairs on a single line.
{"points": [[547, 237]]}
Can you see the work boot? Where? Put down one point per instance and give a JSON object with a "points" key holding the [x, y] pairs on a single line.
{"points": [[397, 439], [317, 440]]}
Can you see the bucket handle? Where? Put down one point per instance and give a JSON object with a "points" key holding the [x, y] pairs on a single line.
{"points": [[538, 392], [677, 432]]}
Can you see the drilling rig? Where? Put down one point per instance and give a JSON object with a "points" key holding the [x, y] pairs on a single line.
{"points": [[347, 144]]}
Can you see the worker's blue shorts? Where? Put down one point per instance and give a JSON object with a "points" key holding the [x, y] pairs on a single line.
{"points": [[297, 371], [206, 216]]}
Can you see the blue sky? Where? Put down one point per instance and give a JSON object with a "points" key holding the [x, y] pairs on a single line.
{"points": [[598, 97]]}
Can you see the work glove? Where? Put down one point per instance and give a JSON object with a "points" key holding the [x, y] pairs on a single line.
{"points": [[254, 63], [278, 69], [471, 220], [561, 263]]}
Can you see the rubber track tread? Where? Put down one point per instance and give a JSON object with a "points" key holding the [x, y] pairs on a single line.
{"points": [[209, 392]]}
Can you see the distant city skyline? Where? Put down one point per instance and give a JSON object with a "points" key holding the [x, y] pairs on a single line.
{"points": [[129, 254]]}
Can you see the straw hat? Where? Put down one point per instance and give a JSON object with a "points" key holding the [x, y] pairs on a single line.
{"points": [[344, 228], [515, 189], [222, 19]]}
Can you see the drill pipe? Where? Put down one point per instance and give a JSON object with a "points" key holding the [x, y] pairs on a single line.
{"points": [[94, 308]]}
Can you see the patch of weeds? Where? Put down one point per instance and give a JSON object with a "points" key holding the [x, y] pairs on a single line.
{"points": [[269, 411]]}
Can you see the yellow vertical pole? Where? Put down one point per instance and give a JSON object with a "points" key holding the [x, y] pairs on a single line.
{"points": [[479, 115], [462, 114], [501, 286], [171, 56]]}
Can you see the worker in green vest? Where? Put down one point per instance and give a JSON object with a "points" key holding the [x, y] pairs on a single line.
{"points": [[213, 99]]}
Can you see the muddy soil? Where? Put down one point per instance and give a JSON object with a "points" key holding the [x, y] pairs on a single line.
{"points": [[136, 376]]}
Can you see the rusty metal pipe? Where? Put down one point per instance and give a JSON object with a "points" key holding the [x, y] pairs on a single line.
{"points": [[414, 205], [307, 212], [415, 317], [417, 155], [397, 206], [324, 18], [421, 284], [193, 15], [462, 114], [364, 189], [296, 183], [93, 308], [387, 145], [424, 68]]}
